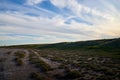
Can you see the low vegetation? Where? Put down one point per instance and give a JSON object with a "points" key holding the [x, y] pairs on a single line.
{"points": [[19, 58], [37, 76], [90, 64], [9, 52], [83, 60], [19, 61], [39, 63], [2, 59], [72, 74], [20, 54]]}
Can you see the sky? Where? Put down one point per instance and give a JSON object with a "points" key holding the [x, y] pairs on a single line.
{"points": [[51, 21]]}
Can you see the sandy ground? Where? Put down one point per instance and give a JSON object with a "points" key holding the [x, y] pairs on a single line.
{"points": [[9, 70]]}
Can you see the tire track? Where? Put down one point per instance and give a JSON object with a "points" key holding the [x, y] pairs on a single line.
{"points": [[49, 62]]}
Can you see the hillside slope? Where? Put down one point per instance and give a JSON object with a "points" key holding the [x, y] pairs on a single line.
{"points": [[103, 44], [93, 44]]}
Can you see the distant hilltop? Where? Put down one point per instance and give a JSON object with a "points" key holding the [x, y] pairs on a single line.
{"points": [[90, 44]]}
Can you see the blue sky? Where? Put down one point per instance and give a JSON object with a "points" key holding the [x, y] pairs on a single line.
{"points": [[51, 21]]}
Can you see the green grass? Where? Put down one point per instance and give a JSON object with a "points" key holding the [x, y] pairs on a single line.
{"points": [[93, 44]]}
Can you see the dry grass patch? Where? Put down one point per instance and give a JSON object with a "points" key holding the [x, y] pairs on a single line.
{"points": [[20, 54]]}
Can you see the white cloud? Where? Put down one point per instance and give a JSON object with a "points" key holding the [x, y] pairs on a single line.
{"points": [[54, 28], [60, 3], [34, 2], [77, 8], [5, 37]]}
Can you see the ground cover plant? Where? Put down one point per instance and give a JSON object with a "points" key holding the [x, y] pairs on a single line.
{"points": [[96, 60]]}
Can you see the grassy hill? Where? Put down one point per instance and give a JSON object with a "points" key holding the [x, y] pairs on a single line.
{"points": [[104, 44], [93, 44]]}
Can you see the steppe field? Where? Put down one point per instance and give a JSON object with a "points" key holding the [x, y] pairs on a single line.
{"points": [[86, 60]]}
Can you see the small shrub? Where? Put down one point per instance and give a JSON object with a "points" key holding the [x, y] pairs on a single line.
{"points": [[109, 72], [18, 61], [1, 68], [37, 76], [58, 76], [8, 53], [32, 55], [103, 77], [73, 74], [2, 59], [57, 59], [43, 66], [62, 66], [104, 70], [40, 64], [34, 60], [20, 54]]}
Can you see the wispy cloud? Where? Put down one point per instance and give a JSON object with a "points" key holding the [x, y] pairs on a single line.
{"points": [[76, 21], [34, 2]]}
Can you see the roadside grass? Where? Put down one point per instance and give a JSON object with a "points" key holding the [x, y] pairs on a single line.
{"points": [[19, 61], [39, 63], [72, 75], [19, 54], [37, 76], [19, 58]]}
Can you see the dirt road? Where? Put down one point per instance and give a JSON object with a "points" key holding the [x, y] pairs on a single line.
{"points": [[9, 70]]}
